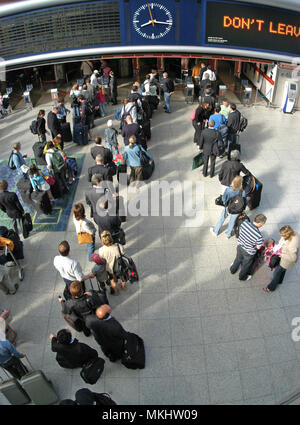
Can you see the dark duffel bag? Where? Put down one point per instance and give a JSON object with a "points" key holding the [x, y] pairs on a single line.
{"points": [[104, 399], [41, 202], [92, 370], [255, 195], [148, 170], [134, 352], [146, 126], [66, 134], [27, 225]]}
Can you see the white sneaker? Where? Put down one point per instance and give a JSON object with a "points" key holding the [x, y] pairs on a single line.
{"points": [[211, 229], [249, 277]]}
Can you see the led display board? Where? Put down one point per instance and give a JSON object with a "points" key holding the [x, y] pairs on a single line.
{"points": [[249, 26]]}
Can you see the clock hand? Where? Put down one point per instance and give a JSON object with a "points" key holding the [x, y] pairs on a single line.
{"points": [[151, 15], [147, 23], [164, 23]]}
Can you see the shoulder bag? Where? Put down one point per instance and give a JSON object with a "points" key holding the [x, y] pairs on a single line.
{"points": [[84, 237]]}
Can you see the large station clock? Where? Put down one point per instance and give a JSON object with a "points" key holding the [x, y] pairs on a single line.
{"points": [[152, 21]]}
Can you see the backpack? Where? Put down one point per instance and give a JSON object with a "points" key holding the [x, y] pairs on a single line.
{"points": [[124, 266], [143, 157], [193, 115], [89, 108], [34, 127], [243, 123], [11, 165], [236, 205], [57, 161]]}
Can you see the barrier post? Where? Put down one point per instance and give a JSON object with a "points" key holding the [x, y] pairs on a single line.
{"points": [[54, 96]]}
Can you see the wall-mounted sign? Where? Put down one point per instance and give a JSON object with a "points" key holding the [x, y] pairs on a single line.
{"points": [[256, 27]]}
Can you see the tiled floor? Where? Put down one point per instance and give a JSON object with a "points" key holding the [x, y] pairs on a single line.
{"points": [[209, 337]]}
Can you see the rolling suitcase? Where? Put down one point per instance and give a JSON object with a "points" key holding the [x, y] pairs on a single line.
{"points": [[27, 225], [80, 134], [134, 352], [41, 202], [13, 392], [66, 134], [146, 126], [148, 170], [38, 387]]}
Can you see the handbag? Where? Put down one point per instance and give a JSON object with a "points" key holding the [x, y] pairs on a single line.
{"points": [[198, 160], [219, 201], [49, 179], [143, 157], [84, 237]]}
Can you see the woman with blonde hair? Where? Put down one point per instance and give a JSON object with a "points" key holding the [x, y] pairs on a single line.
{"points": [[84, 226], [132, 156], [235, 189], [111, 252], [289, 244]]}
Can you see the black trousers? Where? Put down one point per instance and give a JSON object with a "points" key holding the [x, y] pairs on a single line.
{"points": [[212, 164], [244, 260], [15, 367]]}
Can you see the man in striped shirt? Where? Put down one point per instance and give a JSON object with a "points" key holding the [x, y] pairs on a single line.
{"points": [[249, 241]]}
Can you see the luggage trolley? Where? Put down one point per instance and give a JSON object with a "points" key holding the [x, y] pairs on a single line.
{"points": [[20, 269], [189, 89]]}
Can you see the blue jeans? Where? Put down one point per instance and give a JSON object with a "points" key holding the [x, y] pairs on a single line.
{"points": [[91, 248], [278, 276], [102, 109], [167, 101], [222, 218]]}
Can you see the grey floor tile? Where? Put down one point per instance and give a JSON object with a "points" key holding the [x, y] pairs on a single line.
{"points": [[280, 348], [192, 389], [195, 364], [285, 377], [181, 281], [256, 382], [123, 390], [225, 387], [212, 302], [273, 321], [156, 282], [158, 362], [206, 280], [241, 300], [183, 305], [246, 325], [157, 391], [289, 293], [156, 332], [186, 331], [217, 328], [153, 306], [266, 301], [251, 353], [221, 357], [261, 401]]}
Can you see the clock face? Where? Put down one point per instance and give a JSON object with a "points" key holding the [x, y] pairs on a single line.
{"points": [[152, 21]]}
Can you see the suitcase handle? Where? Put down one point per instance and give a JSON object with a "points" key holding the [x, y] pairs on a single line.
{"points": [[25, 357]]}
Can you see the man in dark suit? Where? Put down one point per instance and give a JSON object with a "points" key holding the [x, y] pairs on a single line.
{"points": [[130, 129], [10, 204], [233, 123], [53, 123], [108, 332], [209, 137], [98, 149], [106, 170], [204, 83], [107, 219], [70, 352]]}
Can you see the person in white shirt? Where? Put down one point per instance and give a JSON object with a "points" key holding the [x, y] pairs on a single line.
{"points": [[69, 269], [94, 78], [212, 75]]}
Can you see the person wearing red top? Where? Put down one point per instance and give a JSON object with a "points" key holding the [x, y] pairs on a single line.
{"points": [[100, 100]]}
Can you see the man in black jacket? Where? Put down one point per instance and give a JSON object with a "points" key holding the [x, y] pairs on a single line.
{"points": [[108, 332], [70, 352], [53, 122], [130, 129], [231, 168], [209, 137], [10, 204], [107, 219], [233, 123], [106, 170], [168, 89], [98, 149]]}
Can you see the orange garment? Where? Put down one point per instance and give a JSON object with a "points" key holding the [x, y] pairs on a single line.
{"points": [[4, 241], [196, 70]]}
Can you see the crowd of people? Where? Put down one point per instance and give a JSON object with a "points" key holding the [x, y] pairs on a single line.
{"points": [[217, 131], [87, 311], [217, 128]]}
